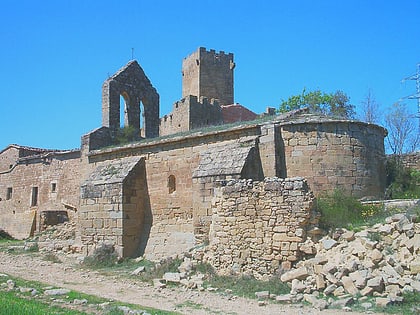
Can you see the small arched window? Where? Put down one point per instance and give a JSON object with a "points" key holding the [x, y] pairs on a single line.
{"points": [[171, 184]]}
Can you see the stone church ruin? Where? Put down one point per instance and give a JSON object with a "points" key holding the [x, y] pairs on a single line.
{"points": [[245, 188]]}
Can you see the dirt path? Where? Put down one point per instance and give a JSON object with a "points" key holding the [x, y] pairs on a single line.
{"points": [[32, 267]]}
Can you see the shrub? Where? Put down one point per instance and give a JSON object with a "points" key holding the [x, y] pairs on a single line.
{"points": [[339, 210], [126, 135], [402, 182]]}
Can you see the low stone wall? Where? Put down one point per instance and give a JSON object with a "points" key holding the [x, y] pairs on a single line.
{"points": [[258, 227], [411, 160]]}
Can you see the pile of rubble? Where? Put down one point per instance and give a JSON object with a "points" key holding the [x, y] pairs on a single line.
{"points": [[382, 261], [59, 238]]}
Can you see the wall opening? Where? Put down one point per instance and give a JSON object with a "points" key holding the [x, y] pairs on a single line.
{"points": [[171, 184], [123, 110], [34, 197], [9, 193], [53, 187], [142, 118]]}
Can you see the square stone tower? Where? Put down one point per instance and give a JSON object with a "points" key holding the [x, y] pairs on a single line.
{"points": [[208, 74]]}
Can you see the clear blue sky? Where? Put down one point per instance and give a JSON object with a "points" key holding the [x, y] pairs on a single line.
{"points": [[55, 55]]}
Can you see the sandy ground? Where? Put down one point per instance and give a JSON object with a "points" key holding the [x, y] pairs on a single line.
{"points": [[65, 275]]}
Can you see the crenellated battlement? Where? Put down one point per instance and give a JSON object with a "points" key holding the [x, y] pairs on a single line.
{"points": [[210, 74]]}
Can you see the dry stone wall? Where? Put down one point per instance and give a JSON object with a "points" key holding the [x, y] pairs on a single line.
{"points": [[411, 160], [258, 226]]}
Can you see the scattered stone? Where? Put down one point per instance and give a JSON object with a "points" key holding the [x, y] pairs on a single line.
{"points": [[349, 286], [80, 302], [348, 236], [262, 295], [10, 284], [138, 270], [316, 303], [377, 284], [300, 273], [25, 290], [159, 284], [376, 256], [262, 303], [366, 291], [174, 277], [341, 303], [328, 243], [330, 289], [366, 305], [382, 302], [339, 291], [285, 298], [56, 292]]}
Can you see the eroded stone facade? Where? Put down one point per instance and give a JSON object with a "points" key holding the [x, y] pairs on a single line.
{"points": [[160, 196]]}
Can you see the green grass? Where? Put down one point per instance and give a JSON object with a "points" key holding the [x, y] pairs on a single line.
{"points": [[246, 286], [410, 305], [11, 304], [23, 303], [339, 209]]}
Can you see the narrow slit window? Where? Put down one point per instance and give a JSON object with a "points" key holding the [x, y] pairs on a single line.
{"points": [[171, 184], [53, 187], [34, 197], [9, 193]]}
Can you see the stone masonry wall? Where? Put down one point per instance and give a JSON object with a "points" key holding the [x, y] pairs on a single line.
{"points": [[191, 113], [258, 227], [209, 74], [8, 159], [336, 154], [56, 179], [176, 215], [411, 160]]}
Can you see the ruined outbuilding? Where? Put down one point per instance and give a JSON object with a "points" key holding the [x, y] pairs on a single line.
{"points": [[181, 184]]}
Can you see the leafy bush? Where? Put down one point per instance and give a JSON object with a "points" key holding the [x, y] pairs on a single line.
{"points": [[402, 182], [126, 135], [339, 209]]}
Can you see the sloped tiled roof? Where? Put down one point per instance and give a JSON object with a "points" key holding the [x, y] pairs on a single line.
{"points": [[236, 112]]}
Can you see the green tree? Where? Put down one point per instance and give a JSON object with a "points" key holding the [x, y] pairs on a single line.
{"points": [[331, 104]]}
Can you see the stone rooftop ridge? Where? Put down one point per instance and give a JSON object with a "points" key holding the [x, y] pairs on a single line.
{"points": [[37, 150], [114, 171], [217, 160]]}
